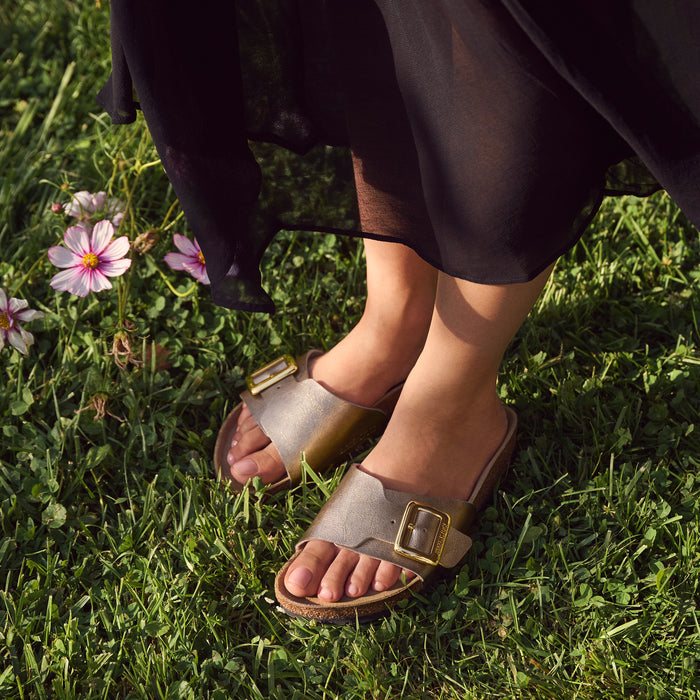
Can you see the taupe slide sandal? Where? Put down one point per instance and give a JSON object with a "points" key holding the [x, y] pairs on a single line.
{"points": [[302, 419], [422, 534]]}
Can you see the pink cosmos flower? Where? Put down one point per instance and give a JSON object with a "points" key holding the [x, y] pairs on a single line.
{"points": [[84, 206], [189, 258], [12, 313], [89, 260]]}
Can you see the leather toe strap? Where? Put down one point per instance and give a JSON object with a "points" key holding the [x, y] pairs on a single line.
{"points": [[414, 532], [302, 418]]}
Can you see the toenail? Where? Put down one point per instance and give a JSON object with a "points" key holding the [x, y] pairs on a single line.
{"points": [[301, 577], [353, 590], [230, 459], [325, 594], [246, 467], [378, 586]]}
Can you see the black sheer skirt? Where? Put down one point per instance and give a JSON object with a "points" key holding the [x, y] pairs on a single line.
{"points": [[483, 133]]}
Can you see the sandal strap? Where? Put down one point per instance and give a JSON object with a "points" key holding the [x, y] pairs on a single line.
{"points": [[414, 532], [305, 420]]}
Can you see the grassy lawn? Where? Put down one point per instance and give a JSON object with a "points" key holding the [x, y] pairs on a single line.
{"points": [[125, 571]]}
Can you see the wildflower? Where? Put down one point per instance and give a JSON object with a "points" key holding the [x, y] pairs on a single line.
{"points": [[89, 261], [56, 208], [84, 206], [189, 259], [12, 313]]}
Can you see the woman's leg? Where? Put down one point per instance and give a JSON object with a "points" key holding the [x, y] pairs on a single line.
{"points": [[447, 423], [377, 354], [381, 350]]}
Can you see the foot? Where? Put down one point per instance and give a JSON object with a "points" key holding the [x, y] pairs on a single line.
{"points": [[431, 446], [446, 426], [386, 361]]}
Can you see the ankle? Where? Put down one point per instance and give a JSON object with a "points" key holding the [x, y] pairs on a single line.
{"points": [[368, 362], [437, 451], [400, 315], [398, 333]]}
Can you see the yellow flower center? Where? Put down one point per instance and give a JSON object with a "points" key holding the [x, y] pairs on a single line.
{"points": [[4, 321], [200, 257], [90, 260]]}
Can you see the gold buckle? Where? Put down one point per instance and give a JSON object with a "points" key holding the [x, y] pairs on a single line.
{"points": [[410, 516], [270, 374]]}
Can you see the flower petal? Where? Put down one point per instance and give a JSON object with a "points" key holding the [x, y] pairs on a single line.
{"points": [[3, 300], [82, 286], [17, 305], [98, 282], [27, 337], [29, 315], [61, 279], [62, 257], [79, 205], [114, 206], [15, 339], [185, 245], [101, 236], [198, 271], [114, 268], [76, 238], [177, 261], [98, 201], [118, 248], [74, 280]]}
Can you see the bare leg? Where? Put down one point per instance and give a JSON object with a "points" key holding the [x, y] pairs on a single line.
{"points": [[377, 354], [447, 423], [381, 350]]}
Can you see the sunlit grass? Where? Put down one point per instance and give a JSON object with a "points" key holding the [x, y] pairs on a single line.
{"points": [[125, 571]]}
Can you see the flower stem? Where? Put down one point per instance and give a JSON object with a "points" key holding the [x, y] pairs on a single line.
{"points": [[165, 225], [27, 275], [173, 290]]}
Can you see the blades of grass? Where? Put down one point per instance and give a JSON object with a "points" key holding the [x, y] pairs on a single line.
{"points": [[618, 629], [509, 566], [57, 101], [309, 476]]}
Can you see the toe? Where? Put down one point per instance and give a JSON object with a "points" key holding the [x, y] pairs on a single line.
{"points": [[265, 463], [335, 579], [361, 578], [246, 424], [386, 576], [305, 573], [248, 437], [245, 443], [244, 414]]}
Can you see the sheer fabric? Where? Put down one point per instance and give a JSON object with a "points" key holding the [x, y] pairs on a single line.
{"points": [[484, 133]]}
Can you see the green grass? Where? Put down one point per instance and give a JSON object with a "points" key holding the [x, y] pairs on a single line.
{"points": [[124, 570]]}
